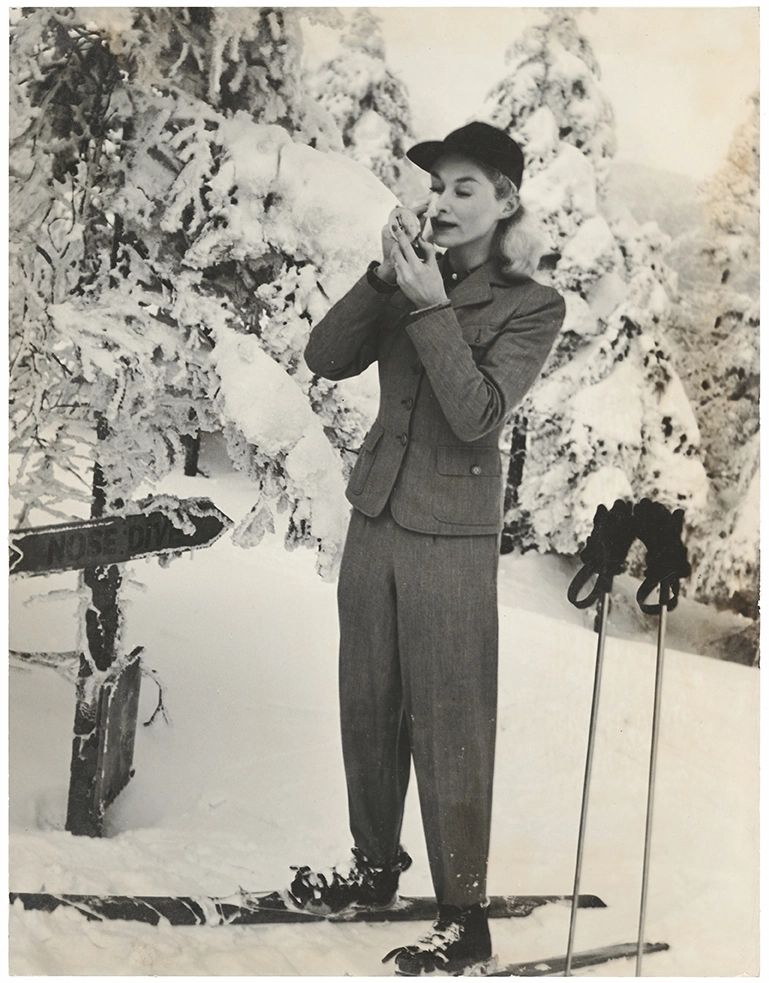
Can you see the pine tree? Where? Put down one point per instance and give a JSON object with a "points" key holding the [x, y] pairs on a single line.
{"points": [[68, 256], [716, 329], [177, 226], [369, 103], [552, 64], [609, 417]]}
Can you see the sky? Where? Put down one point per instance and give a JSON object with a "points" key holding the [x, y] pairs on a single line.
{"points": [[677, 78]]}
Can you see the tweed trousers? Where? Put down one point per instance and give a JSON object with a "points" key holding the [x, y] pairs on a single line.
{"points": [[418, 681]]}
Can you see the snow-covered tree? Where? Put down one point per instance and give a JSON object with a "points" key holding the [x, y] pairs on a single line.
{"points": [[369, 103], [178, 223], [609, 418], [119, 362], [716, 329], [552, 64]]}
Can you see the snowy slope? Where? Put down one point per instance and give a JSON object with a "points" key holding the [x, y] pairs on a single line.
{"points": [[247, 779]]}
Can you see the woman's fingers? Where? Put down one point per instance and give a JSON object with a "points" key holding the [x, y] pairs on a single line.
{"points": [[429, 251], [406, 248], [403, 268], [401, 257], [400, 236]]}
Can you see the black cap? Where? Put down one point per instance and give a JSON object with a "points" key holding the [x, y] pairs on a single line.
{"points": [[484, 142]]}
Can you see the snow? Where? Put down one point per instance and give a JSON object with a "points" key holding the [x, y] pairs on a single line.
{"points": [[580, 318], [604, 486], [619, 393], [329, 210], [370, 136], [267, 405], [271, 412], [369, 104], [247, 778], [592, 249], [311, 205], [569, 180], [540, 133], [744, 532], [606, 294]]}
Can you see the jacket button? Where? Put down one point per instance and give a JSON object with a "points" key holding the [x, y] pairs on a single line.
{"points": [[408, 402], [403, 438], [475, 469], [417, 367]]}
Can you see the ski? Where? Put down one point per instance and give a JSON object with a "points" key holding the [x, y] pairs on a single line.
{"points": [[267, 909], [579, 960]]}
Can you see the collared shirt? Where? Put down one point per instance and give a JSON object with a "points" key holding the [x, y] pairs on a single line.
{"points": [[450, 277]]}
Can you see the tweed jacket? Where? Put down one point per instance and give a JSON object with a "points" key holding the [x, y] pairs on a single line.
{"points": [[448, 378]]}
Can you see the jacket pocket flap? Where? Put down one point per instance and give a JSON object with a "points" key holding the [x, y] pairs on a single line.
{"points": [[470, 461], [372, 437], [479, 335]]}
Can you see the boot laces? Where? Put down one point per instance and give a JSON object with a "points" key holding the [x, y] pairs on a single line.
{"points": [[444, 933], [345, 882], [349, 874]]}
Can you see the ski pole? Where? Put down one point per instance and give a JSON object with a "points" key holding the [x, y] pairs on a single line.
{"points": [[652, 771], [604, 554], [666, 562], [603, 604]]}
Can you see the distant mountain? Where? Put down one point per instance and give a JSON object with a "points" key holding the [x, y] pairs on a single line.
{"points": [[663, 197]]}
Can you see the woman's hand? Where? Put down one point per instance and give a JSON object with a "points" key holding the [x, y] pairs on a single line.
{"points": [[386, 269], [420, 281]]}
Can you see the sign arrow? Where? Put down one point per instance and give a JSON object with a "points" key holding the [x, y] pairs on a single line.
{"points": [[116, 539]]}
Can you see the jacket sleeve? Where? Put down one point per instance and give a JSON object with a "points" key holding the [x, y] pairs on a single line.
{"points": [[476, 397], [344, 342]]}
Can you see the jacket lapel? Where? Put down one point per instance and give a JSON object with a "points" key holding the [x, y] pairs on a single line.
{"points": [[476, 288]]}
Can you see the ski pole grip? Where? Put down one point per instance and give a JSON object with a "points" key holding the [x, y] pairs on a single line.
{"points": [[605, 552], [666, 558], [669, 587], [579, 581]]}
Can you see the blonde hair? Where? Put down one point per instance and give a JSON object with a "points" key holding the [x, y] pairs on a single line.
{"points": [[518, 243]]}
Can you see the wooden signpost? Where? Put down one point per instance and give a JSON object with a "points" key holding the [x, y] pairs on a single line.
{"points": [[106, 713], [115, 539], [108, 684]]}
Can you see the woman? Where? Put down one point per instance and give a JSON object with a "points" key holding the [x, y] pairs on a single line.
{"points": [[459, 340]]}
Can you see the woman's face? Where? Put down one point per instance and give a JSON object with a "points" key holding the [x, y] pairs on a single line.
{"points": [[464, 207]]}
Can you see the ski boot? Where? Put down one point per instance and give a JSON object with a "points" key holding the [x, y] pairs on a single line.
{"points": [[360, 885], [459, 944]]}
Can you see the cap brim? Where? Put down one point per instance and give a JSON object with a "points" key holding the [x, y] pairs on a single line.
{"points": [[425, 154]]}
